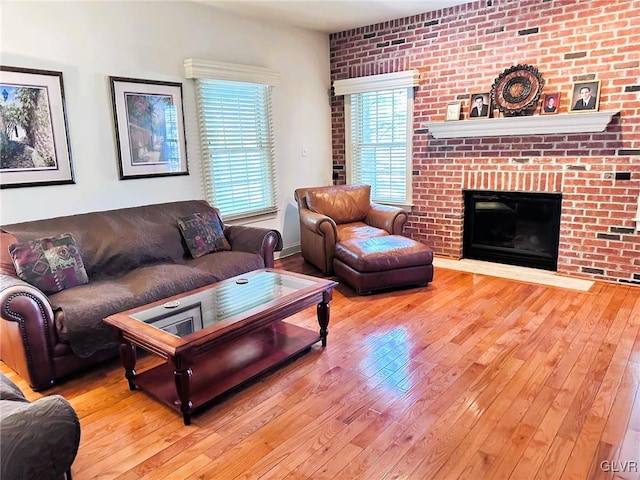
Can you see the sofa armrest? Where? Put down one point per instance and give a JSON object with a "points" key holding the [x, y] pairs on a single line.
{"points": [[387, 217], [263, 241], [27, 331], [39, 439]]}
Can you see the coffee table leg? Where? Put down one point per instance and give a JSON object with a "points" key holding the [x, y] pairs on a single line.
{"points": [[128, 356], [182, 376], [323, 321]]}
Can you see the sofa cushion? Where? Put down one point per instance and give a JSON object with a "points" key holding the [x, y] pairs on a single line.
{"points": [[81, 316], [356, 230], [227, 264], [51, 264], [203, 233], [343, 205]]}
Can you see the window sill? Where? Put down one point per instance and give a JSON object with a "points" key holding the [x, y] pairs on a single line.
{"points": [[407, 206], [251, 219]]}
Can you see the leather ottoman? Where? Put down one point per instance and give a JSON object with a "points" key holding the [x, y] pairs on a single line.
{"points": [[383, 262]]}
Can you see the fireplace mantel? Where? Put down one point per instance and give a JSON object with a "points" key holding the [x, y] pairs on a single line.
{"points": [[528, 125]]}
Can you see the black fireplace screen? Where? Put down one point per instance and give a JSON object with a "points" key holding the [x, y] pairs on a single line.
{"points": [[512, 227]]}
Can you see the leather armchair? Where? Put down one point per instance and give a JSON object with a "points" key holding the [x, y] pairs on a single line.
{"points": [[333, 214]]}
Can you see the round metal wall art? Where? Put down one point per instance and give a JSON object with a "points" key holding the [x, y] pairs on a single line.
{"points": [[517, 90]]}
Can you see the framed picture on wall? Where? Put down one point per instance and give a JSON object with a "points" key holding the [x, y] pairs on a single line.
{"points": [[34, 141], [149, 125], [549, 103], [586, 97], [453, 111], [479, 105]]}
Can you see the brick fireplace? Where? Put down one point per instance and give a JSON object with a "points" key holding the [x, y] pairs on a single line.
{"points": [[596, 217], [461, 50]]}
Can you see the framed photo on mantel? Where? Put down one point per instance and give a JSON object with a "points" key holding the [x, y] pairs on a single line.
{"points": [[586, 97], [453, 111], [550, 103], [479, 105]]}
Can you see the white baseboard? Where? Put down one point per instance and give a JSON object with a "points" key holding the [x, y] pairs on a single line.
{"points": [[287, 251]]}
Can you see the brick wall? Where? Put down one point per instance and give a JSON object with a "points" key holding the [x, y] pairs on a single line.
{"points": [[461, 50]]}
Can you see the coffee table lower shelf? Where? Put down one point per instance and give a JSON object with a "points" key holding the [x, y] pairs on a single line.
{"points": [[230, 365]]}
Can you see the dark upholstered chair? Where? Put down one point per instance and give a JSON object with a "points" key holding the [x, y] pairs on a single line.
{"points": [[333, 214], [38, 440]]}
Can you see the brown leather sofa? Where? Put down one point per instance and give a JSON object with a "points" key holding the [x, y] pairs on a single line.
{"points": [[333, 214], [132, 256]]}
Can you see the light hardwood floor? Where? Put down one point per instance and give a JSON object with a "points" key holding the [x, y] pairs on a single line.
{"points": [[473, 377]]}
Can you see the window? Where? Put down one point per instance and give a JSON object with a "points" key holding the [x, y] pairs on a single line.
{"points": [[236, 136], [379, 123]]}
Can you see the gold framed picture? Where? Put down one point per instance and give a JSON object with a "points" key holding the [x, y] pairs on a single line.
{"points": [[586, 97]]}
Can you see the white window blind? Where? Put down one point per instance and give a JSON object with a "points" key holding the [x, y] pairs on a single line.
{"points": [[236, 135], [237, 147], [379, 143], [379, 125]]}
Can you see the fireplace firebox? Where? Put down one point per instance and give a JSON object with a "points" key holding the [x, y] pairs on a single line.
{"points": [[516, 228]]}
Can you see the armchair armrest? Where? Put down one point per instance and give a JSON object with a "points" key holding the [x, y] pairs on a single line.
{"points": [[263, 241], [387, 217], [27, 331], [318, 237], [319, 224]]}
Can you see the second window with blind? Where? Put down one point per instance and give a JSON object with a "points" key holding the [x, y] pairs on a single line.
{"points": [[379, 125]]}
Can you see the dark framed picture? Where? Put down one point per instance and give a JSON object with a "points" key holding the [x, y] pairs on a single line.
{"points": [[34, 140], [453, 111], [479, 105], [586, 97], [149, 125], [550, 103]]}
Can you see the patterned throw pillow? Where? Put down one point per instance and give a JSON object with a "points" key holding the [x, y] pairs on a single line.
{"points": [[50, 264], [203, 233]]}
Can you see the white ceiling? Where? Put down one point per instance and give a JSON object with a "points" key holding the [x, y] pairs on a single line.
{"points": [[330, 16]]}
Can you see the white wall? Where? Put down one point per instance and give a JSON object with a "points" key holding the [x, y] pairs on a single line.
{"points": [[89, 41]]}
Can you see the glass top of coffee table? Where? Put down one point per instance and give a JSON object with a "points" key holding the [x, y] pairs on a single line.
{"points": [[245, 294]]}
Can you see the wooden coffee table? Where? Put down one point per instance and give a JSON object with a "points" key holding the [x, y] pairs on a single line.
{"points": [[220, 336]]}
